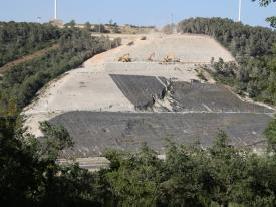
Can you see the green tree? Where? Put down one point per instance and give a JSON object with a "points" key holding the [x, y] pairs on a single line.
{"points": [[71, 24], [134, 179], [19, 39], [272, 20], [87, 26], [30, 175], [270, 133]]}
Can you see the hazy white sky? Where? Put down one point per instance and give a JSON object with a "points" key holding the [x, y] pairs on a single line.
{"points": [[140, 12]]}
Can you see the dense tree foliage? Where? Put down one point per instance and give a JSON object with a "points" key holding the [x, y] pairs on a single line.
{"points": [[18, 39], [265, 2], [189, 176], [272, 19], [70, 24], [20, 83], [254, 49], [271, 136], [29, 175]]}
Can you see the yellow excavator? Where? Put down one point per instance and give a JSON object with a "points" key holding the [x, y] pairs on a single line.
{"points": [[170, 59], [124, 58]]}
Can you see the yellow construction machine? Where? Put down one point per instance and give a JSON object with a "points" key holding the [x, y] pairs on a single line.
{"points": [[124, 58]]}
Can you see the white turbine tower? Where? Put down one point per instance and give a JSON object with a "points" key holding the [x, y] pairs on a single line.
{"points": [[55, 9], [240, 7]]}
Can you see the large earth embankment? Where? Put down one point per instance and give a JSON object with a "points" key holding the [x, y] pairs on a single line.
{"points": [[111, 104]]}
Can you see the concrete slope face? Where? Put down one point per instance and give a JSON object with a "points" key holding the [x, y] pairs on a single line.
{"points": [[156, 96]]}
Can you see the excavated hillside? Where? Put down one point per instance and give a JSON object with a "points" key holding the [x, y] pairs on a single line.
{"points": [[152, 94]]}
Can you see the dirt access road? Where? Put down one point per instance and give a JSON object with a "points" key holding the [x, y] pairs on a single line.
{"points": [[5, 68]]}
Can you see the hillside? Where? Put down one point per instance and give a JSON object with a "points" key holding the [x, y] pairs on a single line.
{"points": [[22, 80], [157, 111], [143, 92], [25, 58], [253, 48], [20, 39]]}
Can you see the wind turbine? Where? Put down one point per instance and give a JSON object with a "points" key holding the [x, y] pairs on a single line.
{"points": [[55, 9], [240, 7]]}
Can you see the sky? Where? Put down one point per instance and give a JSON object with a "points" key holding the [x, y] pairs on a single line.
{"points": [[138, 12]]}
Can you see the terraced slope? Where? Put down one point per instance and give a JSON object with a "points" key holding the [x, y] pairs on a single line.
{"points": [[110, 104]]}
